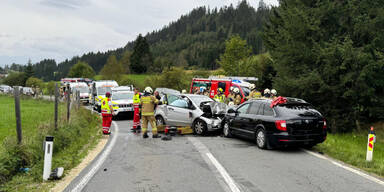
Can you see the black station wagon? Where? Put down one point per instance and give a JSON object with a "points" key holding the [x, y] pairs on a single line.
{"points": [[292, 122]]}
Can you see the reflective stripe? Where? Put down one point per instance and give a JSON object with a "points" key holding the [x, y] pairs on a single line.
{"points": [[147, 113]]}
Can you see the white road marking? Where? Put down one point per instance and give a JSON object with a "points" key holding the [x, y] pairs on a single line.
{"points": [[210, 159], [98, 163], [371, 178]]}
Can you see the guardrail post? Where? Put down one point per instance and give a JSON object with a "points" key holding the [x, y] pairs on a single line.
{"points": [[56, 104], [68, 102], [78, 99], [18, 115]]}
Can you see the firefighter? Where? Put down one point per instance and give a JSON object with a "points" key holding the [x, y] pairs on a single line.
{"points": [[231, 96], [136, 111], [183, 91], [220, 97], [106, 113], [254, 93], [237, 97], [273, 93], [267, 93], [147, 112]]}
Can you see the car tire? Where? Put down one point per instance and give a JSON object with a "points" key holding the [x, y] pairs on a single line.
{"points": [[261, 139], [227, 130], [159, 120], [199, 127]]}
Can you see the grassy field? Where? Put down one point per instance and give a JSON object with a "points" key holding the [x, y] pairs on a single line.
{"points": [[33, 113], [72, 142], [351, 148]]}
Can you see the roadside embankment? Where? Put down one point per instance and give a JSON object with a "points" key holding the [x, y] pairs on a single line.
{"points": [[351, 148], [72, 141]]}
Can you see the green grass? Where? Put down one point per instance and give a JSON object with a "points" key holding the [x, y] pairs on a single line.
{"points": [[71, 144], [33, 113], [351, 148]]}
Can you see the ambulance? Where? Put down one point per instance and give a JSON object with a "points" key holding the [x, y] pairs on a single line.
{"points": [[83, 88]]}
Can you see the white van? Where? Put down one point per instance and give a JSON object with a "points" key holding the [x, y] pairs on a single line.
{"points": [[98, 91], [83, 88]]}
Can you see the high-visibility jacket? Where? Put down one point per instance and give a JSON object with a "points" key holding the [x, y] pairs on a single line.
{"points": [[148, 105], [105, 106], [136, 98], [220, 98]]}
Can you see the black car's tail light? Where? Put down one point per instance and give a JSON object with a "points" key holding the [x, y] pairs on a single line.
{"points": [[281, 125], [324, 124]]}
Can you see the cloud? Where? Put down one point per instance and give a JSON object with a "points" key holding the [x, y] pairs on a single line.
{"points": [[61, 29]]}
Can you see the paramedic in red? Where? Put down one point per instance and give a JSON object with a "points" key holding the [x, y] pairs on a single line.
{"points": [[106, 113]]}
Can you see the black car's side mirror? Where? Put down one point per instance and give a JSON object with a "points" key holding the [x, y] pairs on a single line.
{"points": [[231, 111]]}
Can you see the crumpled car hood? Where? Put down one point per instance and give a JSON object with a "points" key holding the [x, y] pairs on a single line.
{"points": [[217, 108]]}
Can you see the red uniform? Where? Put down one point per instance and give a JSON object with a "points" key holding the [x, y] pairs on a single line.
{"points": [[106, 113], [136, 112]]}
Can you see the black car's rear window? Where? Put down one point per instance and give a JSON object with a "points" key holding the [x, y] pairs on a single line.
{"points": [[300, 109]]}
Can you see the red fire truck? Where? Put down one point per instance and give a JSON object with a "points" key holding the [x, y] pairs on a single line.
{"points": [[213, 83]]}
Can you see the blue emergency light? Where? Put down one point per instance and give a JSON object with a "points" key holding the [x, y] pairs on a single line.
{"points": [[236, 81]]}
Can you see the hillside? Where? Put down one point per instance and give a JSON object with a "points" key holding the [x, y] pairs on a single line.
{"points": [[195, 40]]}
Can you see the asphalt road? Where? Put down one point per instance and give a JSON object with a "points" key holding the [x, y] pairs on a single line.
{"points": [[211, 163]]}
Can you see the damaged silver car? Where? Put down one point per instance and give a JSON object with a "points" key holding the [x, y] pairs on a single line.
{"points": [[200, 112]]}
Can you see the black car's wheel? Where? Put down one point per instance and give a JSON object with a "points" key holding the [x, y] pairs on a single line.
{"points": [[199, 127], [227, 130], [261, 139], [159, 120]]}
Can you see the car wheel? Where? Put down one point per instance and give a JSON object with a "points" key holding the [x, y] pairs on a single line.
{"points": [[200, 127], [159, 120], [227, 130], [261, 139]]}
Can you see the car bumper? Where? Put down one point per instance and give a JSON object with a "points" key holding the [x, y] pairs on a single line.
{"points": [[285, 139], [123, 110], [212, 123]]}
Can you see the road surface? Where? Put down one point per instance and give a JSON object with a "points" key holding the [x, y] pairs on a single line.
{"points": [[211, 163]]}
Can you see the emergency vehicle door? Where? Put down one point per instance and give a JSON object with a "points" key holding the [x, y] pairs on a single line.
{"points": [[213, 91]]}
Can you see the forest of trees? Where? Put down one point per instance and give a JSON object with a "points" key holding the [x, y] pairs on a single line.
{"points": [[329, 53], [194, 41]]}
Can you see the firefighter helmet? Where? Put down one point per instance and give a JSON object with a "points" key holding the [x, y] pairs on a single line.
{"points": [[236, 90], [220, 90], [273, 92], [107, 94], [252, 86], [148, 90]]}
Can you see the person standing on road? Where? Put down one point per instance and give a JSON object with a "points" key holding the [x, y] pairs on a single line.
{"points": [[267, 93], [231, 96], [148, 113], [237, 100], [273, 94], [106, 113], [136, 111], [254, 93], [220, 97]]}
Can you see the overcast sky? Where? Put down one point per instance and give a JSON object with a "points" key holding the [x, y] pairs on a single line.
{"points": [[60, 29]]}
